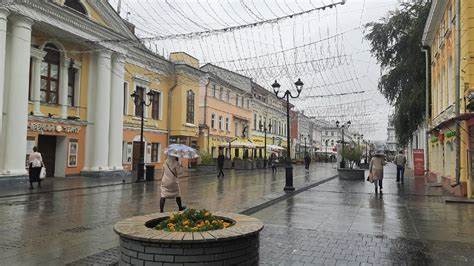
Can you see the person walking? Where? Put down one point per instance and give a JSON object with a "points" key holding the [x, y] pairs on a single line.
{"points": [[400, 160], [172, 169], [35, 163], [220, 164], [307, 161], [376, 170], [273, 162]]}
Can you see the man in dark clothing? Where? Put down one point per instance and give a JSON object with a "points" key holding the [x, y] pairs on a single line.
{"points": [[220, 164], [307, 161]]}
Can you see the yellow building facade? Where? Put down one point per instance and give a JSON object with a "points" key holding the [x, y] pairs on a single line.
{"points": [[66, 85], [441, 36]]}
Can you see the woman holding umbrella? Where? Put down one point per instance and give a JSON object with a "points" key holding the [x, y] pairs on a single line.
{"points": [[169, 182], [172, 169]]}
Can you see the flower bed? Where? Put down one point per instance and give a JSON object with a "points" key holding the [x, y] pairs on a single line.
{"points": [[192, 220], [142, 244]]}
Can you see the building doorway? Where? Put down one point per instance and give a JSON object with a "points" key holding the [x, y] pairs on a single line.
{"points": [[47, 148], [136, 155]]}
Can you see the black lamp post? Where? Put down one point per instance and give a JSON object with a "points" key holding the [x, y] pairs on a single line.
{"points": [[345, 125], [326, 142], [287, 95], [139, 100], [304, 137], [264, 127]]}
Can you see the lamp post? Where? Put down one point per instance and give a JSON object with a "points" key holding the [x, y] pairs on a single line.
{"points": [[140, 101], [304, 137], [327, 149], [287, 95], [264, 127], [345, 125]]}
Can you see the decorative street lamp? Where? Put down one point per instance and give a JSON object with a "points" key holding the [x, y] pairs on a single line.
{"points": [[304, 136], [358, 137], [264, 127], [287, 95], [345, 125], [327, 149], [140, 101]]}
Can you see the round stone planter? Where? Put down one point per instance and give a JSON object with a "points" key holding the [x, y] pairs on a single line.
{"points": [[140, 244]]}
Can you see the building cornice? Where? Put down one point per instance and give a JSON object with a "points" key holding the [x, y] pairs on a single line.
{"points": [[432, 22]]}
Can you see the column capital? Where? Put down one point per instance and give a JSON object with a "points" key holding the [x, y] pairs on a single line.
{"points": [[37, 53], [22, 21], [4, 13], [119, 58], [104, 54]]}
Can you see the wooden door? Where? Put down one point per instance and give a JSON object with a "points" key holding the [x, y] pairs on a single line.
{"points": [[136, 155], [47, 148]]}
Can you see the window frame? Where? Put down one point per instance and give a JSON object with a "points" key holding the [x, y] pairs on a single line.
{"points": [[156, 106], [71, 82], [47, 60], [155, 152], [141, 91], [213, 120]]}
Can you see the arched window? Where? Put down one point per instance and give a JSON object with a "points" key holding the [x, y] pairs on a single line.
{"points": [[190, 107], [50, 75], [76, 6]]}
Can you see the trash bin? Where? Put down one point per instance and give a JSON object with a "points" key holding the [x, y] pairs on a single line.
{"points": [[150, 172]]}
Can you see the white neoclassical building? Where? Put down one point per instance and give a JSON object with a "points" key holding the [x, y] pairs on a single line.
{"points": [[67, 68]]}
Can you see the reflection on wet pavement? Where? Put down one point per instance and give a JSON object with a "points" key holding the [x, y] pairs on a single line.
{"points": [[344, 222], [60, 227]]}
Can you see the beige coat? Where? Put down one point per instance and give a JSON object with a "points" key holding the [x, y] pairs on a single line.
{"points": [[169, 182], [376, 168]]}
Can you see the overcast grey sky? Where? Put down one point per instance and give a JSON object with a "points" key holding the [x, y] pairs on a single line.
{"points": [[325, 48]]}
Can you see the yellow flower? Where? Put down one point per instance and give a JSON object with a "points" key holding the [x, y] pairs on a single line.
{"points": [[186, 222], [206, 214], [226, 225]]}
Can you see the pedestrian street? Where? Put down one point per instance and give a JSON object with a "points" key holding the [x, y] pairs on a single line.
{"points": [[54, 228]]}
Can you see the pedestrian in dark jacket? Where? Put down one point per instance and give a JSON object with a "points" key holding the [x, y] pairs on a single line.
{"points": [[307, 161], [220, 164]]}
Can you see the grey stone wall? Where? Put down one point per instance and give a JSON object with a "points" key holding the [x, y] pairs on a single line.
{"points": [[238, 251]]}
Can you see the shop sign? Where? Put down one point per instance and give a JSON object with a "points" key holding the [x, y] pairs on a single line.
{"points": [[418, 162], [450, 134], [53, 128]]}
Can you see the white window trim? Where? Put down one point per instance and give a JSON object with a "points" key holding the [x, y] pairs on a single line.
{"points": [[160, 115], [213, 120], [221, 120]]}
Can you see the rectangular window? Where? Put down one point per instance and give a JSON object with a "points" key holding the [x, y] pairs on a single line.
{"points": [[450, 81], [227, 123], [254, 121], [237, 100], [71, 86], [236, 153], [220, 122], [213, 121], [155, 105], [190, 107], [155, 152], [73, 151], [141, 94], [236, 129], [214, 93], [125, 98]]}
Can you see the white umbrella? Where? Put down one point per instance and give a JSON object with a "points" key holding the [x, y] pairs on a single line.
{"points": [[181, 151]]}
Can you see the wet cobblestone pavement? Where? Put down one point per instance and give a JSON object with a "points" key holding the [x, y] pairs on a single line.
{"points": [[56, 228], [333, 223], [345, 223]]}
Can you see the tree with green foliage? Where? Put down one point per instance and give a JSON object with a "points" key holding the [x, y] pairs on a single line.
{"points": [[353, 155], [396, 44]]}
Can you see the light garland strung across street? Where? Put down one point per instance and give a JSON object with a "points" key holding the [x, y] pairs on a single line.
{"points": [[200, 34]]}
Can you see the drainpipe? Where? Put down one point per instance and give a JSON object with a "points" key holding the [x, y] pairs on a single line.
{"points": [[170, 92], [458, 90], [205, 113], [426, 50]]}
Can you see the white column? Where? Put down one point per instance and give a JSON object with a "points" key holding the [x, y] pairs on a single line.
{"points": [[100, 133], [116, 113], [63, 87], [3, 35], [37, 56], [17, 102]]}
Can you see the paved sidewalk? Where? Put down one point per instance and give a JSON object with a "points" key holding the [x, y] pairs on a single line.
{"points": [[10, 187], [60, 227], [345, 223]]}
